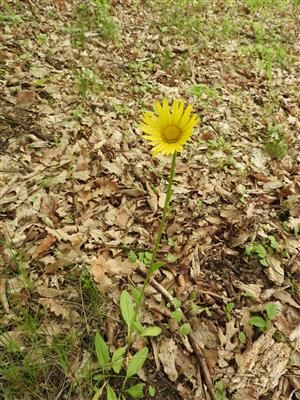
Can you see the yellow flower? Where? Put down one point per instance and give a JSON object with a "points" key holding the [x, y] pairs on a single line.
{"points": [[168, 130]]}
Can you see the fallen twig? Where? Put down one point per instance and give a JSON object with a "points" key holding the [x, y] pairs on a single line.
{"points": [[197, 349]]}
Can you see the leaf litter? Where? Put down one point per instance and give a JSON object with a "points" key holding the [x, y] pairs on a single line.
{"points": [[79, 190]]}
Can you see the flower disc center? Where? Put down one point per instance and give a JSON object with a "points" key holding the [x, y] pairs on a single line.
{"points": [[171, 134]]}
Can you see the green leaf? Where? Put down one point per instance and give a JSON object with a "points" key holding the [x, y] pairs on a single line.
{"points": [[257, 321], [271, 311], [135, 294], [260, 251], [136, 362], [102, 351], [152, 391], [263, 262], [132, 256], [242, 337], [154, 267], [171, 258], [110, 394], [137, 391], [127, 308], [176, 303], [177, 315], [185, 329], [229, 307], [138, 327], [273, 242], [171, 242], [151, 331], [117, 359]]}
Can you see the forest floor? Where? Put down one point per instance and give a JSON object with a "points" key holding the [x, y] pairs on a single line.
{"points": [[81, 196]]}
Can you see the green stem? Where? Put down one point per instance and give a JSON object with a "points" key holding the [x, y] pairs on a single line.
{"points": [[159, 234]]}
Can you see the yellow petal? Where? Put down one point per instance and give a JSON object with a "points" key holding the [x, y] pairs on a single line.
{"points": [[160, 112], [185, 117], [176, 117], [149, 129], [166, 110], [192, 122]]}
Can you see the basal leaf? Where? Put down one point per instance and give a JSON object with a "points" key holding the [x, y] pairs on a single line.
{"points": [[136, 363], [271, 311], [151, 331], [185, 329], [110, 394], [257, 321], [137, 391], [102, 351], [117, 359]]}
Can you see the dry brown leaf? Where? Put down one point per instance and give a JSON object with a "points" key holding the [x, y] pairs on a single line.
{"points": [[261, 366], [152, 198], [59, 310], [3, 297], [167, 354], [275, 272], [44, 246]]}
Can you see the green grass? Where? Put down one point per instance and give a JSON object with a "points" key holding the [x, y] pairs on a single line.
{"points": [[42, 363]]}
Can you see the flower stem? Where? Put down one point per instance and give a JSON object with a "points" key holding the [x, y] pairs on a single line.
{"points": [[159, 234]]}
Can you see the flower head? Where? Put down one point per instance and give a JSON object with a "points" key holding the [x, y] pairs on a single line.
{"points": [[168, 130]]}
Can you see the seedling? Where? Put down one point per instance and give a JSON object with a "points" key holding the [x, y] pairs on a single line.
{"points": [[265, 323], [228, 310], [259, 250], [242, 337], [88, 82], [262, 251], [220, 391], [93, 15]]}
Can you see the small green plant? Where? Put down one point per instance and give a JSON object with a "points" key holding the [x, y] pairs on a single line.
{"points": [[277, 149], [42, 38], [78, 113], [93, 15], [112, 364], [276, 145], [219, 144], [254, 4], [9, 16], [204, 93], [220, 391], [259, 250], [242, 337], [228, 27], [265, 323], [47, 182], [87, 83], [228, 310]]}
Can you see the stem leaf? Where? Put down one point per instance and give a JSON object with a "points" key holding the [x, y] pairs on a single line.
{"points": [[110, 394], [127, 308], [154, 267]]}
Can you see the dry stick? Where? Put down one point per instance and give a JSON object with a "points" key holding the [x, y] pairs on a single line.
{"points": [[197, 349]]}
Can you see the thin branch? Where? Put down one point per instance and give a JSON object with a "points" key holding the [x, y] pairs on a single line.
{"points": [[197, 349]]}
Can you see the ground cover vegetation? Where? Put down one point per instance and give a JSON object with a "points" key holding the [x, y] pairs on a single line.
{"points": [[114, 283]]}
